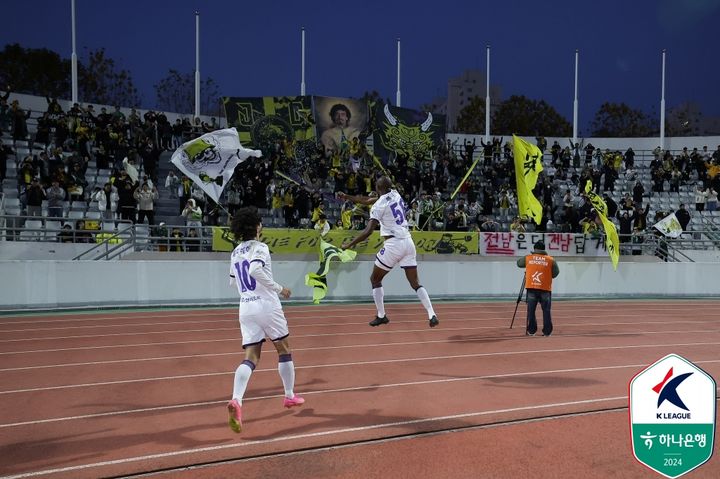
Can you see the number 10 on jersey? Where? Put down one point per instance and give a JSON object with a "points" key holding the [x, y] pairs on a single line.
{"points": [[247, 282]]}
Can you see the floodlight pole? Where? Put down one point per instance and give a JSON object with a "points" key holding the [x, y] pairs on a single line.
{"points": [[575, 101], [197, 64], [662, 105], [73, 58], [397, 93], [302, 70]]}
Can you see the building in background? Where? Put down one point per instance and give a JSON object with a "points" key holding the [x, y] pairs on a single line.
{"points": [[459, 92]]}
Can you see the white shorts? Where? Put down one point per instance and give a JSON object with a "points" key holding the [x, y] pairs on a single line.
{"points": [[396, 251], [255, 327]]}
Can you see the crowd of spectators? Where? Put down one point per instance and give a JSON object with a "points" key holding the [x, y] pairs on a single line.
{"points": [[299, 189], [487, 201], [66, 144]]}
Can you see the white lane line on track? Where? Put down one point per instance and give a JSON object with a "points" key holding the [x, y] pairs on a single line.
{"points": [[298, 312], [221, 373], [306, 436], [237, 340], [338, 390], [382, 331], [350, 346], [234, 321]]}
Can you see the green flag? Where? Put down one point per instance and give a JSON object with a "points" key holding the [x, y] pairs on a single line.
{"points": [[318, 280]]}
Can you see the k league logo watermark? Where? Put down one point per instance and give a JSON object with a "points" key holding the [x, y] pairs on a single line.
{"points": [[672, 416]]}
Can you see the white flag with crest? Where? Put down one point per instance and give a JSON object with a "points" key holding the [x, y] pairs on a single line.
{"points": [[210, 160], [669, 226]]}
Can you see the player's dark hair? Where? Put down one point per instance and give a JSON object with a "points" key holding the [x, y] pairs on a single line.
{"points": [[244, 223], [337, 107]]}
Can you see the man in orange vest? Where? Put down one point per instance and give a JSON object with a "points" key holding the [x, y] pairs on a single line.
{"points": [[540, 269]]}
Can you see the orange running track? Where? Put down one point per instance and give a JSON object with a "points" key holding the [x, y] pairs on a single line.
{"points": [[86, 395]]}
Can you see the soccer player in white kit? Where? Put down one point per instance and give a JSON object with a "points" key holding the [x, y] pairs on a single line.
{"points": [[388, 211], [261, 313]]}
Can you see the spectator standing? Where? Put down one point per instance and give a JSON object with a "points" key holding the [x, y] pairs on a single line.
{"points": [[171, 183], [55, 197], [683, 216], [19, 123], [35, 196], [712, 199], [192, 214], [700, 197], [625, 221], [638, 192], [146, 207], [126, 202], [639, 217], [107, 199]]}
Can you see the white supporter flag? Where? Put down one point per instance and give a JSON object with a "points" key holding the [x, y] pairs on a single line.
{"points": [[669, 226], [210, 160]]}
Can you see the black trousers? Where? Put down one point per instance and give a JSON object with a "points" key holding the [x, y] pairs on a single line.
{"points": [[535, 296]]}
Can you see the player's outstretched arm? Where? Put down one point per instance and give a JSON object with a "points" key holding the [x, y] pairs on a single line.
{"points": [[363, 200], [371, 226]]}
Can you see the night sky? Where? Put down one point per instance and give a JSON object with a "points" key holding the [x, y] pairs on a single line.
{"points": [[253, 48]]}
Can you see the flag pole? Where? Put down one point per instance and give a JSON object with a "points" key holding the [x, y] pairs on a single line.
{"points": [[197, 64], [74, 72], [302, 69], [662, 105], [397, 93], [487, 94], [575, 101]]}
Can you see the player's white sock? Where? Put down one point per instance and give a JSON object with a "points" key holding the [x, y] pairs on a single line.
{"points": [[242, 377], [378, 296], [286, 368], [425, 300]]}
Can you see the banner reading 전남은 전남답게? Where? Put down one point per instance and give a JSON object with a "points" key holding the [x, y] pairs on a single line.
{"points": [[556, 244], [308, 241]]}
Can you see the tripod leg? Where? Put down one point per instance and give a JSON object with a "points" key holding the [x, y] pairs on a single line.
{"points": [[522, 288]]}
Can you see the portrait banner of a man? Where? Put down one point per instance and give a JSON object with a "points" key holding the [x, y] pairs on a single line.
{"points": [[339, 121]]}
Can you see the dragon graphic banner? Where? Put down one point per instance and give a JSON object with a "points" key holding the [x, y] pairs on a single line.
{"points": [[264, 122], [405, 132]]}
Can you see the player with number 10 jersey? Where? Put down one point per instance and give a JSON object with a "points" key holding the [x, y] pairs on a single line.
{"points": [[255, 297], [261, 313]]}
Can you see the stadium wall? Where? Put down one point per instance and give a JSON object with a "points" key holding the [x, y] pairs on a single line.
{"points": [[65, 284]]}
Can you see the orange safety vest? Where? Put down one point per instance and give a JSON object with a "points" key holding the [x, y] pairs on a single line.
{"points": [[538, 272]]}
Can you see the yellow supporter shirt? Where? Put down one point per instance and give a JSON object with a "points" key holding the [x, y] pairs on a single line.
{"points": [[346, 217]]}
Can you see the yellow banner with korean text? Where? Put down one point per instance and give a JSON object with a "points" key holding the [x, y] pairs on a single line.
{"points": [[285, 241]]}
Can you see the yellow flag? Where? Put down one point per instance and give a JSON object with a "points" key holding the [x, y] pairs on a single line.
{"points": [[318, 280], [528, 165], [612, 242]]}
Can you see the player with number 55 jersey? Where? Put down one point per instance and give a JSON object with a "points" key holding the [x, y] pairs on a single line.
{"points": [[261, 313], [388, 212]]}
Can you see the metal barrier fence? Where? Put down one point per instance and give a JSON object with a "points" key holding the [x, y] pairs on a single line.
{"points": [[116, 238]]}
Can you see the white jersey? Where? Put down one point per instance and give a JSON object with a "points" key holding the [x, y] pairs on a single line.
{"points": [[255, 297], [389, 211]]}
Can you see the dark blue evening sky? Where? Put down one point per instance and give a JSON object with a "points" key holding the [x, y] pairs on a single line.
{"points": [[252, 48]]}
